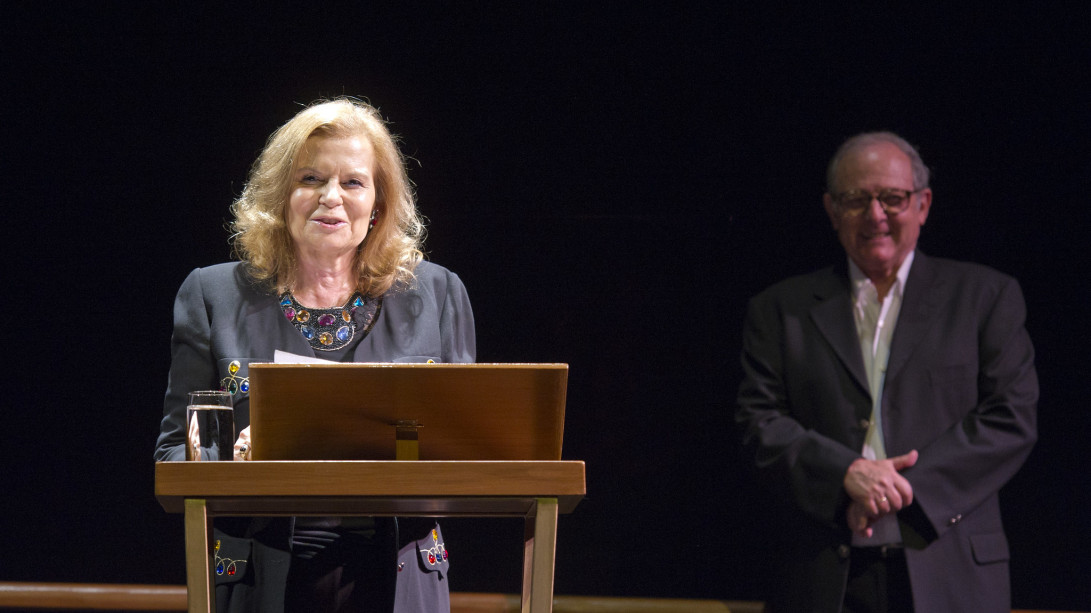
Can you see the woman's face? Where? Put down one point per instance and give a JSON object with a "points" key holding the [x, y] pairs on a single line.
{"points": [[332, 196]]}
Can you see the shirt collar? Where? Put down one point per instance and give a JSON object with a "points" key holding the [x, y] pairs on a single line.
{"points": [[860, 282]]}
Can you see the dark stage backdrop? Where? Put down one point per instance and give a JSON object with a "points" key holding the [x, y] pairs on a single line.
{"points": [[610, 185]]}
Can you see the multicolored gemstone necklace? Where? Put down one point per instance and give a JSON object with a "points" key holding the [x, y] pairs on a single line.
{"points": [[326, 329]]}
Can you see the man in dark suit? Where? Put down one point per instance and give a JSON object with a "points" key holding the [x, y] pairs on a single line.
{"points": [[885, 402]]}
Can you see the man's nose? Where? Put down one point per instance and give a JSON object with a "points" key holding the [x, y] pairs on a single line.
{"points": [[875, 209]]}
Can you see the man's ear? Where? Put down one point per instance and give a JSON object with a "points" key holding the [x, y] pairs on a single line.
{"points": [[831, 211], [925, 204]]}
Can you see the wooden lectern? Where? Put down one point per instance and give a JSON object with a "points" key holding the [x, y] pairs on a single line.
{"points": [[537, 490]]}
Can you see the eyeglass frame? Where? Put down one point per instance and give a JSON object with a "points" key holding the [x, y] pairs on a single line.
{"points": [[909, 193]]}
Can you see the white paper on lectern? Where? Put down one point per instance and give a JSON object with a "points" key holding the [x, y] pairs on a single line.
{"points": [[283, 357]]}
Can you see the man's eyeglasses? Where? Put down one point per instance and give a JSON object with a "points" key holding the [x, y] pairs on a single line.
{"points": [[893, 201]]}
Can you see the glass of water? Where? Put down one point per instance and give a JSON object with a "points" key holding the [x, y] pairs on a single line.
{"points": [[210, 426]]}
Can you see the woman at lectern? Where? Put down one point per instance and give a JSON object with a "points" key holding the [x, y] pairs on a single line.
{"points": [[328, 239]]}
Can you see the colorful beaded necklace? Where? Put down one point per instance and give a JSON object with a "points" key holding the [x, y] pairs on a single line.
{"points": [[324, 329]]}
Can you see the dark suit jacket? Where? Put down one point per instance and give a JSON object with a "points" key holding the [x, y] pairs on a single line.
{"points": [[960, 388], [221, 316]]}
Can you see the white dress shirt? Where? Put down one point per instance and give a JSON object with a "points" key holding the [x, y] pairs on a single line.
{"points": [[875, 322]]}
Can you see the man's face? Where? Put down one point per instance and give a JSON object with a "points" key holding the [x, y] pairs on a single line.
{"points": [[876, 241]]}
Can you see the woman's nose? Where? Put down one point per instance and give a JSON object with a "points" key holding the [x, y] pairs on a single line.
{"points": [[330, 194]]}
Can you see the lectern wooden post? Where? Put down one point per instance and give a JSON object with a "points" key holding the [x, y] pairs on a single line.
{"points": [[535, 490]]}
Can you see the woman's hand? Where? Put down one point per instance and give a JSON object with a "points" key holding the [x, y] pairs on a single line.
{"points": [[242, 446], [193, 440]]}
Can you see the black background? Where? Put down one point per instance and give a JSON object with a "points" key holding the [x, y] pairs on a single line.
{"points": [[611, 184]]}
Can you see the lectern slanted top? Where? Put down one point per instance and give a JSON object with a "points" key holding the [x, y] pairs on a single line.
{"points": [[461, 411]]}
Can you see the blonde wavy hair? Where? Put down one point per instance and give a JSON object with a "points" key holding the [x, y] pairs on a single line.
{"points": [[260, 237]]}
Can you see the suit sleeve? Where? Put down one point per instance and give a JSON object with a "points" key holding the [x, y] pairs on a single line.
{"points": [[796, 462], [970, 461], [191, 367], [456, 321]]}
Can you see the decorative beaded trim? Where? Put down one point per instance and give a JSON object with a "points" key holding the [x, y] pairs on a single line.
{"points": [[437, 553], [329, 329], [234, 383], [225, 565]]}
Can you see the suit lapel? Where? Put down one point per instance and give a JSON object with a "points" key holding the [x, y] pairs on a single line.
{"points": [[268, 330], [923, 292], [833, 316]]}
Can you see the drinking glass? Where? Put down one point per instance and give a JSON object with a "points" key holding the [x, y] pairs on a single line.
{"points": [[210, 431]]}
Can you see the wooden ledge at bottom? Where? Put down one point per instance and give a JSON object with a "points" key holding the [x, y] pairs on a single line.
{"points": [[92, 596], [142, 597], [470, 602], [139, 597]]}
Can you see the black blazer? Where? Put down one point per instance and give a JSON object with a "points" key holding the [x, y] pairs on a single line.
{"points": [[222, 317], [960, 388]]}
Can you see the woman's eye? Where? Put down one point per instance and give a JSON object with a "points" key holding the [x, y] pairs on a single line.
{"points": [[354, 182]]}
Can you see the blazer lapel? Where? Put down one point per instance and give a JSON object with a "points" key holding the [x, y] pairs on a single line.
{"points": [[268, 330], [919, 305], [833, 317]]}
